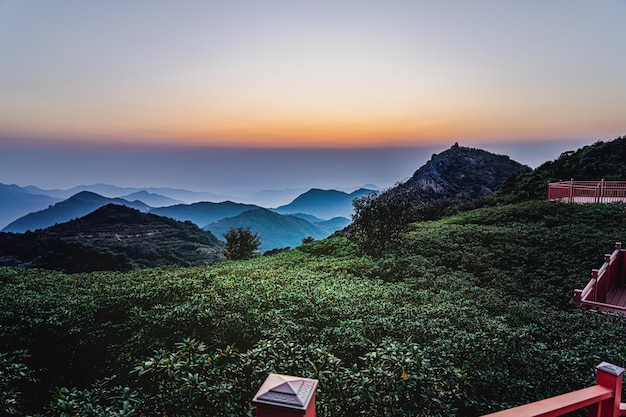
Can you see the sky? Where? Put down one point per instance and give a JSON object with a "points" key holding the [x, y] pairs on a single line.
{"points": [[247, 94]]}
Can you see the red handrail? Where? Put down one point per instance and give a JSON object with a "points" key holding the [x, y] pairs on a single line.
{"points": [[609, 276], [559, 405], [602, 399], [587, 191]]}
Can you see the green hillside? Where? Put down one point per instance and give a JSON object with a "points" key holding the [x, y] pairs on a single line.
{"points": [[113, 237], [474, 315], [601, 160]]}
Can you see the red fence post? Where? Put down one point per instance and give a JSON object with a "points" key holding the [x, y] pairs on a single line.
{"points": [[578, 295], [621, 264], [609, 376], [594, 276], [286, 396]]}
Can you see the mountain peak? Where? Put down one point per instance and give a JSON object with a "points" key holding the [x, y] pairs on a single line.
{"points": [[462, 170]]}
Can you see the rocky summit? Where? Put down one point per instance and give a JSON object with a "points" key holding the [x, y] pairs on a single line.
{"points": [[462, 171]]}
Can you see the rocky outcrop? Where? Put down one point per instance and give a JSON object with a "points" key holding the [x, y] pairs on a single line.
{"points": [[462, 171]]}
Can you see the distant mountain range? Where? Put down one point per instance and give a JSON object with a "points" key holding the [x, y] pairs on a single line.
{"points": [[203, 213], [316, 213], [151, 199], [16, 201], [76, 206], [325, 204], [112, 191], [276, 230], [113, 237]]}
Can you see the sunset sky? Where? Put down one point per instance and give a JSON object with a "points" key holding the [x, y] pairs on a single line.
{"points": [[210, 77]]}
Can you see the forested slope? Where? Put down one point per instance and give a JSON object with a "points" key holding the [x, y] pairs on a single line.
{"points": [[473, 315]]}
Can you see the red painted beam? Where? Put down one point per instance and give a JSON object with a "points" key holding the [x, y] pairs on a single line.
{"points": [[559, 405]]}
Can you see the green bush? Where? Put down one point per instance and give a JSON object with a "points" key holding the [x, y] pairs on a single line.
{"points": [[14, 377]]}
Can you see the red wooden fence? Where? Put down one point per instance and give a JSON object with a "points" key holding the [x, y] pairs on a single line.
{"points": [[601, 400], [610, 277], [288, 396], [587, 191]]}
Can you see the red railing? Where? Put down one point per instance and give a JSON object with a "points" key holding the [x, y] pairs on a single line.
{"points": [[288, 396], [587, 191], [611, 276], [601, 400]]}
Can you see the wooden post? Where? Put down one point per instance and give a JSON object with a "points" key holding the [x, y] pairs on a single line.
{"points": [[594, 276], [610, 280], [602, 190], [578, 295], [621, 264], [286, 396], [609, 376]]}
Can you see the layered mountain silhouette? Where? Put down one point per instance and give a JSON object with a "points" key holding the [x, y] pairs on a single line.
{"points": [[76, 206], [16, 202], [325, 204], [113, 237], [205, 212], [276, 230], [113, 191], [458, 171], [327, 226], [151, 199]]}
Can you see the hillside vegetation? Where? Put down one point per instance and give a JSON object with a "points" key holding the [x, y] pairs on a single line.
{"points": [[445, 297], [112, 237], [474, 315], [601, 160]]}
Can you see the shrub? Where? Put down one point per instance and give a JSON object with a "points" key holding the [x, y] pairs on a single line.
{"points": [[241, 243]]}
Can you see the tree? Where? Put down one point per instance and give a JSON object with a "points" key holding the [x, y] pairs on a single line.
{"points": [[381, 219], [241, 243]]}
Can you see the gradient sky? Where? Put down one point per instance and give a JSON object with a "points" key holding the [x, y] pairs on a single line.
{"points": [[174, 76]]}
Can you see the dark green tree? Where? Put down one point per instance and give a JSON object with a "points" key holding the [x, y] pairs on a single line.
{"points": [[380, 220], [241, 243]]}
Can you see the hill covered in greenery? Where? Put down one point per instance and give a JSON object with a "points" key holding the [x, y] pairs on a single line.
{"points": [[473, 315], [601, 160], [113, 237]]}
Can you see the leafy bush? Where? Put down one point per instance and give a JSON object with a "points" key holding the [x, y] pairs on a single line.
{"points": [[241, 243], [14, 376]]}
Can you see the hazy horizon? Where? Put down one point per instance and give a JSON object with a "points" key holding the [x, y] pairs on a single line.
{"points": [[239, 172], [237, 96]]}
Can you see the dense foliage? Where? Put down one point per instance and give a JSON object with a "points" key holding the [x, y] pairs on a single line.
{"points": [[474, 315], [241, 243]]}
